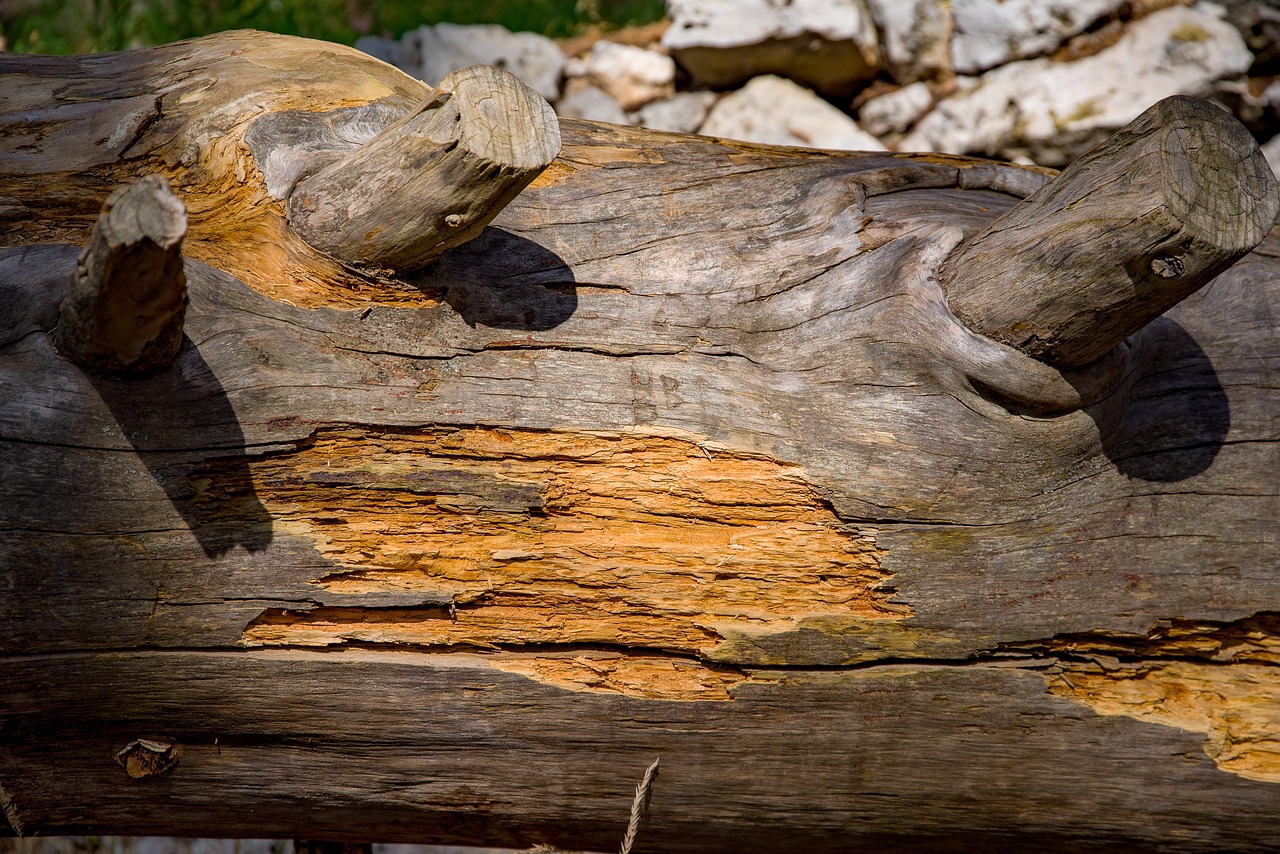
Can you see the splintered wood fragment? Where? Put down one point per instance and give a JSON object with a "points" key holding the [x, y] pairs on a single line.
{"points": [[432, 180], [128, 296], [1121, 236]]}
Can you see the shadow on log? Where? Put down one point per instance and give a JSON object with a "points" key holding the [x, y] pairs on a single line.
{"points": [[1158, 428], [890, 499]]}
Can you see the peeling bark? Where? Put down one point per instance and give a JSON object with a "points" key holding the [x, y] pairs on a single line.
{"points": [[684, 455]]}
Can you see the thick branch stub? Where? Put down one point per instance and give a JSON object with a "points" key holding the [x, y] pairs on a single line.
{"points": [[1120, 237], [128, 297], [432, 180]]}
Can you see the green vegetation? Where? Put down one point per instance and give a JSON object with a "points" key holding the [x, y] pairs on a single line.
{"points": [[89, 26]]}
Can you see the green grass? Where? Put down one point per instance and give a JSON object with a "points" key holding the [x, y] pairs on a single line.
{"points": [[90, 26]]}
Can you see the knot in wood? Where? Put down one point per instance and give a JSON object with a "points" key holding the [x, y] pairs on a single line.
{"points": [[1167, 266], [143, 757]]}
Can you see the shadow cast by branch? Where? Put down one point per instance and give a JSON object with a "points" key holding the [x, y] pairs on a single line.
{"points": [[184, 430], [504, 281], [1167, 422]]}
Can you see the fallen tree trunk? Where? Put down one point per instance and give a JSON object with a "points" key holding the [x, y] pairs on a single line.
{"points": [[684, 456]]}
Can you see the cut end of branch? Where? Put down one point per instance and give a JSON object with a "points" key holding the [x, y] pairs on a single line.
{"points": [[1217, 182], [128, 296], [432, 180], [1121, 236]]}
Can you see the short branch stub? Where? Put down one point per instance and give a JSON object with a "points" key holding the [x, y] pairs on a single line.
{"points": [[128, 297], [434, 179], [1120, 237]]}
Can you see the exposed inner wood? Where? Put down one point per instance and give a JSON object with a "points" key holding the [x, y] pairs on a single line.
{"points": [[641, 676], [1235, 706], [537, 537], [1220, 679], [689, 459]]}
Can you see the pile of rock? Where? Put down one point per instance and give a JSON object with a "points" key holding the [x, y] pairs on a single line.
{"points": [[1028, 80]]}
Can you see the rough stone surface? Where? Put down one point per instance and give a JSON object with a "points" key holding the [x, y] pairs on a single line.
{"points": [[896, 111], [829, 45], [380, 47], [1259, 22], [992, 32], [683, 112], [1271, 151], [1026, 107], [915, 37], [633, 76], [430, 53], [582, 100], [776, 111], [1053, 112]]}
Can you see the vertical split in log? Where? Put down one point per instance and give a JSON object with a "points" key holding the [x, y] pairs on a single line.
{"points": [[128, 296], [432, 180], [1121, 236]]}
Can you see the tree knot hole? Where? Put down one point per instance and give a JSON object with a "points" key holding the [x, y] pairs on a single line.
{"points": [[144, 757], [1167, 266]]}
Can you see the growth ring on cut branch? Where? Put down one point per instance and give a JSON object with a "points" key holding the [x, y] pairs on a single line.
{"points": [[432, 180], [1121, 236]]}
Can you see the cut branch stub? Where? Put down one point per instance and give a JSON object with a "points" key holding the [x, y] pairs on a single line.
{"points": [[128, 295], [1122, 235], [432, 180]]}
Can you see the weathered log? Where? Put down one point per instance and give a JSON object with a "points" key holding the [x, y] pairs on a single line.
{"points": [[128, 296], [1128, 231], [684, 456]]}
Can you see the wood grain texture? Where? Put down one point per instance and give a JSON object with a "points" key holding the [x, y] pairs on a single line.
{"points": [[638, 472], [128, 296], [431, 180], [1125, 233]]}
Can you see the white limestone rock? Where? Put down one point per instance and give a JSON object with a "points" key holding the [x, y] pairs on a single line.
{"points": [[431, 53], [896, 111], [915, 37], [1054, 112], [1271, 96], [993, 32], [683, 112], [1259, 23], [829, 45], [388, 50], [633, 76], [583, 100], [772, 110], [1271, 151]]}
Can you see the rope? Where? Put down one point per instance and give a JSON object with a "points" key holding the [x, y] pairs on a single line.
{"points": [[639, 807]]}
